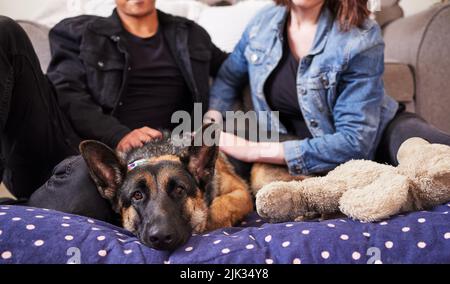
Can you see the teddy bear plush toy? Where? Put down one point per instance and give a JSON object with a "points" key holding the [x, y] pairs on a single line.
{"points": [[365, 190]]}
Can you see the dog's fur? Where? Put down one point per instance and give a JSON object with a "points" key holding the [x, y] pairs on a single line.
{"points": [[263, 174], [183, 189]]}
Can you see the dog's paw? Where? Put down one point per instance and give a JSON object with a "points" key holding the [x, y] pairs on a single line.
{"points": [[220, 214]]}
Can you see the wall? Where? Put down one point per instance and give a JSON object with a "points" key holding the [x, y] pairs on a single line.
{"points": [[414, 6], [19, 8]]}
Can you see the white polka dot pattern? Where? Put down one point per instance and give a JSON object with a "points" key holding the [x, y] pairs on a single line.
{"points": [[30, 227], [356, 255], [344, 237], [31, 232], [421, 245], [325, 254], [39, 243], [6, 254]]}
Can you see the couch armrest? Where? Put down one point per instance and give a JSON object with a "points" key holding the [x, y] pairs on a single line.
{"points": [[399, 83], [423, 42]]}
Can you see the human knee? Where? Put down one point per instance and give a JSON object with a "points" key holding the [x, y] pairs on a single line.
{"points": [[9, 29], [7, 24]]}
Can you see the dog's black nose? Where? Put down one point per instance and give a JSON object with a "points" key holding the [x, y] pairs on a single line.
{"points": [[161, 240]]}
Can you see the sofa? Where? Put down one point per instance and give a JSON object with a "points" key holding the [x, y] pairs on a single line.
{"points": [[420, 237]]}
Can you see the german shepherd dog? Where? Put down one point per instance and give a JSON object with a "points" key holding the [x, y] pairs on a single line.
{"points": [[164, 193]]}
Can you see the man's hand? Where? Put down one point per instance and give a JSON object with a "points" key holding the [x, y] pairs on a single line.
{"points": [[137, 138]]}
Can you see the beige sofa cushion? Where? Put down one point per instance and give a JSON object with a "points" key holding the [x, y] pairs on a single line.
{"points": [[399, 83], [423, 42]]}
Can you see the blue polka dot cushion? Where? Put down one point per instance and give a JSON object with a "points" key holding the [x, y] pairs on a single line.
{"points": [[30, 235]]}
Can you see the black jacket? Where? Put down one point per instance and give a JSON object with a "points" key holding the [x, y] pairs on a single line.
{"points": [[89, 69]]}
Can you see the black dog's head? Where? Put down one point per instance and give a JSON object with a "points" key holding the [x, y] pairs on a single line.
{"points": [[159, 190]]}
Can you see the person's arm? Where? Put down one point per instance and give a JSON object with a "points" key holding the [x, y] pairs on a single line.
{"points": [[68, 75], [356, 117], [252, 152], [357, 121]]}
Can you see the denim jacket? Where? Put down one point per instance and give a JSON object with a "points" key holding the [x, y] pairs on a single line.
{"points": [[339, 87]]}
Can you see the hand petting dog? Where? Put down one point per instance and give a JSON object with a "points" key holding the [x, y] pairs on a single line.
{"points": [[252, 152], [137, 138]]}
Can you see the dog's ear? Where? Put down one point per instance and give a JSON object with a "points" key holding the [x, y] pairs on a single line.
{"points": [[105, 167], [200, 157]]}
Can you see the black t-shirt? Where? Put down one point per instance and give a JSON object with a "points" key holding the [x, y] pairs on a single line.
{"points": [[281, 93], [155, 87]]}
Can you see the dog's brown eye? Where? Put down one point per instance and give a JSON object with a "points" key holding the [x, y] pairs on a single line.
{"points": [[137, 195], [179, 191]]}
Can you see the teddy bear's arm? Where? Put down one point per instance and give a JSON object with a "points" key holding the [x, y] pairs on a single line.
{"points": [[305, 200]]}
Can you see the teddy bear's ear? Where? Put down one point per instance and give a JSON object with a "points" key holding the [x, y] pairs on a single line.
{"points": [[410, 146]]}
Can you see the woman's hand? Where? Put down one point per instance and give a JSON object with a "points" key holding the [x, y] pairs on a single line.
{"points": [[137, 138], [251, 152], [212, 116], [238, 147]]}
